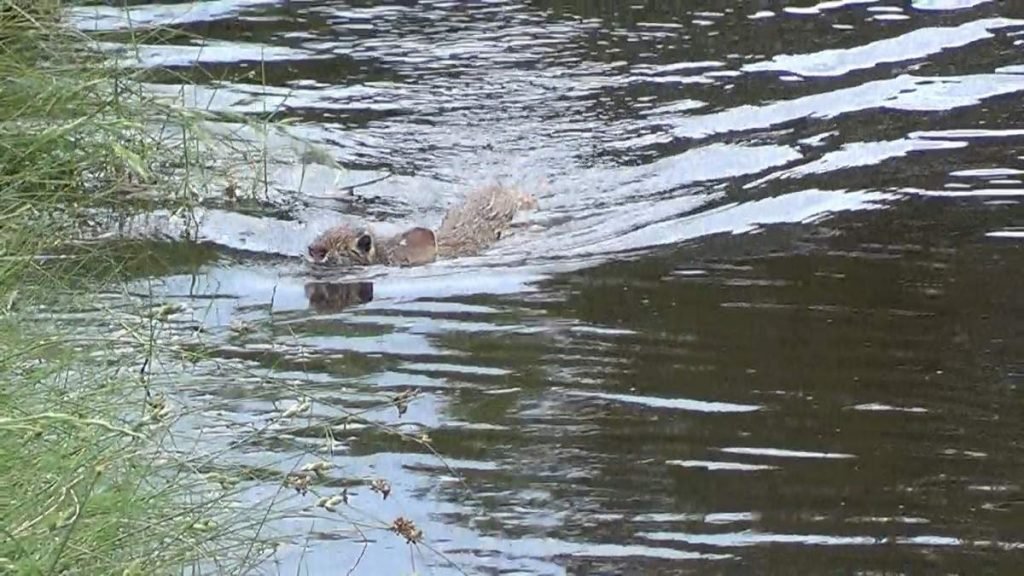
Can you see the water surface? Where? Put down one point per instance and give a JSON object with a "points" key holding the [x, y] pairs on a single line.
{"points": [[767, 320]]}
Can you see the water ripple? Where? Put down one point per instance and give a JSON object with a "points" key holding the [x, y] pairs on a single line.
{"points": [[775, 258]]}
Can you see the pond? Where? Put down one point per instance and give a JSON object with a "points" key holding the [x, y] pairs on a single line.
{"points": [[767, 318]]}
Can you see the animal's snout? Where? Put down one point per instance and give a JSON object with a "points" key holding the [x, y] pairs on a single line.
{"points": [[317, 252]]}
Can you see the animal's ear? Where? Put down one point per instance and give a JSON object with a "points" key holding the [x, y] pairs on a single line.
{"points": [[364, 243], [419, 238]]}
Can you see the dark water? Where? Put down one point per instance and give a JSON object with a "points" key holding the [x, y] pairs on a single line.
{"points": [[769, 318]]}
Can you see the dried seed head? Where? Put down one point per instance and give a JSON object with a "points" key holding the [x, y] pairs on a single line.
{"points": [[318, 467], [401, 401], [381, 486], [157, 401], [204, 525], [407, 529], [231, 189], [223, 480], [338, 499], [241, 327], [166, 311], [299, 408], [330, 503], [300, 482], [157, 409]]}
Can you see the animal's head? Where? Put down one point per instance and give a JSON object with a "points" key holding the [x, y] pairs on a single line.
{"points": [[414, 247], [344, 245]]}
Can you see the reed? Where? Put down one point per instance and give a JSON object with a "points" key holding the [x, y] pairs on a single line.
{"points": [[90, 485]]}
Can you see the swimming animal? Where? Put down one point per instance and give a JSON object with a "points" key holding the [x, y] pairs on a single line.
{"points": [[467, 228]]}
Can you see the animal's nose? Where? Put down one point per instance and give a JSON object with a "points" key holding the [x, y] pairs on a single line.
{"points": [[317, 252]]}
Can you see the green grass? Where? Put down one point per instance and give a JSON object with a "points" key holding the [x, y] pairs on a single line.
{"points": [[88, 486], [84, 492], [94, 479], [76, 136]]}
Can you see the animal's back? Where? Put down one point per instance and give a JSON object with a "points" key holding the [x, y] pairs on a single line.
{"points": [[480, 220]]}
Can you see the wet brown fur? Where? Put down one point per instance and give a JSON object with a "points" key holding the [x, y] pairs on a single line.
{"points": [[480, 220], [468, 228]]}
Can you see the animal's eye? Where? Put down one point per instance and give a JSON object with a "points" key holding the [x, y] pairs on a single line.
{"points": [[364, 243]]}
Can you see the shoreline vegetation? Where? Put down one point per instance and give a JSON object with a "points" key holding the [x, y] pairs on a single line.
{"points": [[89, 484], [103, 468]]}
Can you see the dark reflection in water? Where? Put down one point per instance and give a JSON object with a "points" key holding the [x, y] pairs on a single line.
{"points": [[767, 320], [336, 296]]}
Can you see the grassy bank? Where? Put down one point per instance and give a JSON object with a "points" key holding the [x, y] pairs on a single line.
{"points": [[95, 479], [86, 487]]}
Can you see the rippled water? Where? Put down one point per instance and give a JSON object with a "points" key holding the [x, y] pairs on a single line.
{"points": [[768, 318]]}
